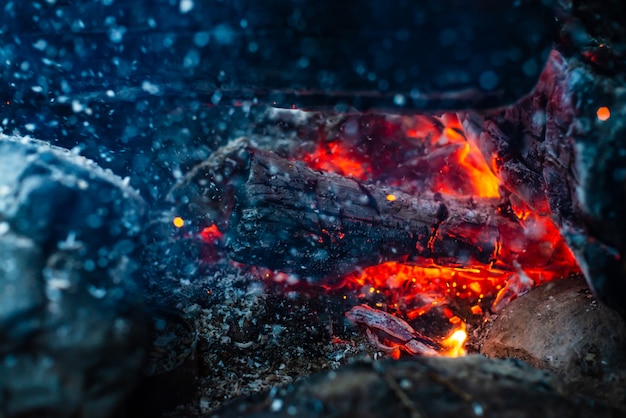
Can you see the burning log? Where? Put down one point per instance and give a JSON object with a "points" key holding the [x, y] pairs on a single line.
{"points": [[561, 151], [320, 225]]}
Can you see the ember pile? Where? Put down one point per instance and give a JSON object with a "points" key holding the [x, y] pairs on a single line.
{"points": [[403, 213]]}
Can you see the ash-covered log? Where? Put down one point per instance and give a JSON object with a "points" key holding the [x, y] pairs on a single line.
{"points": [[322, 225]]}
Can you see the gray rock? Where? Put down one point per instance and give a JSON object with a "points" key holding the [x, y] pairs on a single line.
{"points": [[562, 328], [71, 323]]}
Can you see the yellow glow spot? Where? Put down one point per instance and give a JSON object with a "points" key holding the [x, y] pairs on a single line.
{"points": [[391, 197], [603, 113], [475, 287], [372, 290], [178, 222], [453, 345], [453, 134], [477, 310]]}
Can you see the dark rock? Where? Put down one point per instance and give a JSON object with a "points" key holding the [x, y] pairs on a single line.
{"points": [[71, 328], [433, 387], [561, 327]]}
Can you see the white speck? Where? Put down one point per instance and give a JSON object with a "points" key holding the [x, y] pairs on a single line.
{"points": [[186, 6], [48, 61], [216, 97], [69, 243], [77, 106], [4, 228], [78, 25], [539, 118], [40, 44], [110, 93], [224, 34], [82, 184], [405, 384], [478, 409], [30, 127], [192, 58], [204, 403], [37, 89], [399, 100], [116, 34], [58, 283], [96, 292], [201, 39], [148, 87], [277, 405]]}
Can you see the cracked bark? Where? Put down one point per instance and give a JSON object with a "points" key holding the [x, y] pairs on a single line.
{"points": [[320, 225], [552, 151]]}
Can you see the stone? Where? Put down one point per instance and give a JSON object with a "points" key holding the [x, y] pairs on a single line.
{"points": [[561, 327], [71, 317]]}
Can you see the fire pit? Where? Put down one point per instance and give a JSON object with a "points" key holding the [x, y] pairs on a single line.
{"points": [[303, 193]]}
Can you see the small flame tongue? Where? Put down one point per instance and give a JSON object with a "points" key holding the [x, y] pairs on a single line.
{"points": [[429, 153]]}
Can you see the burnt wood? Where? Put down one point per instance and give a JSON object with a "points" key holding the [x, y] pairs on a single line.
{"points": [[554, 152], [322, 225]]}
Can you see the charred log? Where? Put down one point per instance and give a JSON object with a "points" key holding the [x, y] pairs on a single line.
{"points": [[292, 218], [554, 152]]}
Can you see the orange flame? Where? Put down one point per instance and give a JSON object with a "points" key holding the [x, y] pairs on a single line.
{"points": [[337, 159], [453, 345]]}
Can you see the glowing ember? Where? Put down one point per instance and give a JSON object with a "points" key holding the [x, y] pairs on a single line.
{"points": [[603, 113], [454, 344], [211, 234], [336, 158], [178, 222], [213, 237]]}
